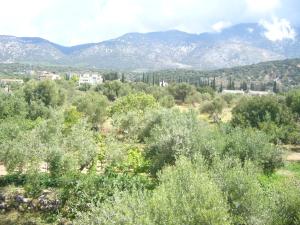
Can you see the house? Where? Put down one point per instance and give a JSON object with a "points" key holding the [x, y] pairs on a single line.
{"points": [[163, 84], [10, 81], [49, 76], [92, 79]]}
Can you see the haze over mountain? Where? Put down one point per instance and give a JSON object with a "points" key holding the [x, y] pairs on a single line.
{"points": [[241, 44]]}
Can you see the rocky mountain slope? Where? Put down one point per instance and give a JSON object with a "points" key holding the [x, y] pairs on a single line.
{"points": [[239, 45]]}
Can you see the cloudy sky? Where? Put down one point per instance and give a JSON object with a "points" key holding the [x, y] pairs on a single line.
{"points": [[70, 22]]}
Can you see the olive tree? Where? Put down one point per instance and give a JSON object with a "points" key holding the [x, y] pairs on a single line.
{"points": [[93, 106]]}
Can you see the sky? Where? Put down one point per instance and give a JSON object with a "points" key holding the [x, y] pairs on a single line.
{"points": [[72, 22]]}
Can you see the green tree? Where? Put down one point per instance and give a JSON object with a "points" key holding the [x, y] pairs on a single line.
{"points": [[167, 101], [93, 106], [248, 201], [293, 101], [252, 145], [181, 91], [187, 195], [45, 91], [255, 110], [113, 89], [12, 105], [176, 134], [139, 102]]}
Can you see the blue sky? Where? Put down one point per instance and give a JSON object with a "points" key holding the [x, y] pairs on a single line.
{"points": [[70, 22]]}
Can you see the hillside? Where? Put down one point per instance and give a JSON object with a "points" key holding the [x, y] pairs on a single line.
{"points": [[239, 45], [285, 72]]}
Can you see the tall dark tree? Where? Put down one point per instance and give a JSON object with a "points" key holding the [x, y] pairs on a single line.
{"points": [[275, 88], [213, 83], [221, 87], [123, 78]]}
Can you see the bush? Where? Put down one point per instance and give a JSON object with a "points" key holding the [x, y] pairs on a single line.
{"points": [[268, 114], [193, 98], [175, 135], [167, 101], [255, 110], [229, 98], [123, 208], [286, 203], [93, 106], [245, 196], [113, 89], [134, 102], [12, 105], [293, 101], [248, 144], [214, 106], [181, 91], [45, 91], [186, 195]]}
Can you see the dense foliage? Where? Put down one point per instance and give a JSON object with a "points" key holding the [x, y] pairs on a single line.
{"points": [[133, 153]]}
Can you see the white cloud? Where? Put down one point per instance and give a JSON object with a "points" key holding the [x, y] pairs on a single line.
{"points": [[262, 6], [16, 17], [250, 30], [74, 21], [278, 29], [221, 25]]}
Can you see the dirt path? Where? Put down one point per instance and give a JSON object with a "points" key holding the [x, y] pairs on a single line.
{"points": [[3, 171], [292, 153], [293, 157]]}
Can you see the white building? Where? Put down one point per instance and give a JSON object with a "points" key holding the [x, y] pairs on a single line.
{"points": [[49, 76], [163, 84], [10, 81], [255, 93], [92, 79], [259, 93], [241, 92]]}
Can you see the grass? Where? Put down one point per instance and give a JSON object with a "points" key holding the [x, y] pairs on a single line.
{"points": [[291, 170], [18, 218], [226, 115], [293, 167]]}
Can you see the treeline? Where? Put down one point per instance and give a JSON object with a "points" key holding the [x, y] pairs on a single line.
{"points": [[257, 77]]}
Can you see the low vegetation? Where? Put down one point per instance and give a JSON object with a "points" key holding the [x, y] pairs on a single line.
{"points": [[134, 153]]}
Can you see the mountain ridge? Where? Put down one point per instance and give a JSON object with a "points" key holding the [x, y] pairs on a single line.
{"points": [[239, 45]]}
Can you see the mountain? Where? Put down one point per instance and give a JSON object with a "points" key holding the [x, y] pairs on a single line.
{"points": [[238, 45]]}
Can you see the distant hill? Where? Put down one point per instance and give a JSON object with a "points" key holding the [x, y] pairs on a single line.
{"points": [[285, 72], [238, 45]]}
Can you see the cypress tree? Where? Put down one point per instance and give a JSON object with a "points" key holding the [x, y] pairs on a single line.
{"points": [[275, 88]]}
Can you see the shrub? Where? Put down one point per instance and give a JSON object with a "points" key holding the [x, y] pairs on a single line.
{"points": [[286, 202], [167, 101], [248, 144], [93, 106], [214, 106], [134, 102], [181, 91], [123, 208], [255, 110], [175, 135], [266, 113], [246, 198], [293, 101], [194, 98], [186, 195]]}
